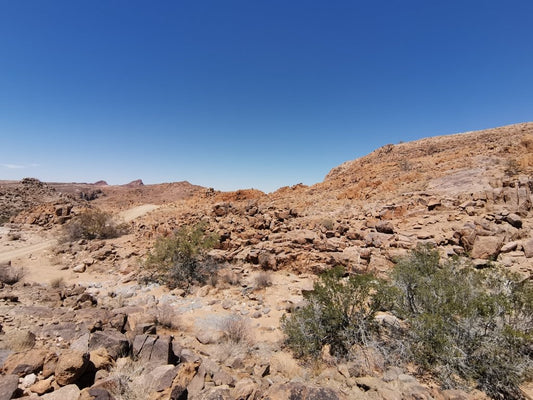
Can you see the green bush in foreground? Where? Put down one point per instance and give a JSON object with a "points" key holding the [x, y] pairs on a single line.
{"points": [[340, 313], [468, 328], [181, 259]]}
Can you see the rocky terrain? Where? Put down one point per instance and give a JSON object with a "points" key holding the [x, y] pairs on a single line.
{"points": [[77, 323]]}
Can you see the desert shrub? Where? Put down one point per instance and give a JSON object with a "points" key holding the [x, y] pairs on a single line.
{"points": [[228, 277], [466, 325], [93, 224], [126, 380], [181, 259], [339, 313], [512, 168], [168, 318], [236, 329], [262, 279], [57, 282], [10, 275]]}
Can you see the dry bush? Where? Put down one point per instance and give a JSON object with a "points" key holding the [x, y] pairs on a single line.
{"points": [[93, 224], [527, 141], [229, 277], [10, 275], [126, 383], [236, 329], [262, 280], [57, 283], [168, 318]]}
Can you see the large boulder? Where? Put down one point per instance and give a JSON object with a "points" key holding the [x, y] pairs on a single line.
{"points": [[154, 349], [70, 367], [8, 386], [486, 247], [25, 363], [114, 342]]}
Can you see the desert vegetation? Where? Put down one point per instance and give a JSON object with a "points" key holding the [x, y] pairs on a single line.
{"points": [[93, 224], [467, 327], [181, 259]]}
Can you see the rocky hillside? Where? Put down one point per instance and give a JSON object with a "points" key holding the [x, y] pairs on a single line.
{"points": [[29, 194], [76, 329]]}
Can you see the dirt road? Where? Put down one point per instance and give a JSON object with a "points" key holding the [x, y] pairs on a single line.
{"points": [[26, 250], [136, 212]]}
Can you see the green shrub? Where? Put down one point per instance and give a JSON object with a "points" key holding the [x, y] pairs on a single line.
{"points": [[466, 325], [181, 259], [93, 224], [339, 313]]}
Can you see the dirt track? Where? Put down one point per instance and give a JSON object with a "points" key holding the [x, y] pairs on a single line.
{"points": [[23, 251]]}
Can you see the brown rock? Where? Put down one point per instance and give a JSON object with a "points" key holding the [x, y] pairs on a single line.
{"points": [[185, 374], [528, 248], [300, 391], [101, 359], [70, 366], [70, 392], [25, 363], [50, 363], [385, 227], [114, 342], [42, 387], [486, 247]]}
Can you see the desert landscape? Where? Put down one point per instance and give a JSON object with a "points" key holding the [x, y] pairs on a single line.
{"points": [[177, 291]]}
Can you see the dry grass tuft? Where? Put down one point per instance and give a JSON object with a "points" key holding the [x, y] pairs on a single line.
{"points": [[262, 280], [168, 318], [57, 283], [236, 329]]}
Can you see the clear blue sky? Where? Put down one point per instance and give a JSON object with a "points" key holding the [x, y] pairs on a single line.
{"points": [[248, 93]]}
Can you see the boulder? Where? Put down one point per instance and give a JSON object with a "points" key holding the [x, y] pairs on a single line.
{"points": [[154, 349], [100, 359], [25, 363], [70, 367], [159, 378], [114, 342], [8, 386], [185, 374], [385, 227], [70, 392], [42, 387], [528, 248], [300, 391], [486, 247], [514, 220]]}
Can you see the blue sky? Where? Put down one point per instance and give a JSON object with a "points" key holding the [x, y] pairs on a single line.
{"points": [[238, 93]]}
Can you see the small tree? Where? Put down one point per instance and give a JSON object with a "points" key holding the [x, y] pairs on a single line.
{"points": [[181, 259]]}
